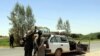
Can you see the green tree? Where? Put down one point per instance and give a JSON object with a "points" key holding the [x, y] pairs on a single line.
{"points": [[67, 27], [60, 24], [98, 36], [14, 22], [30, 21], [21, 21]]}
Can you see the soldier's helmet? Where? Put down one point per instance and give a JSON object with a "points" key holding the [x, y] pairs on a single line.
{"points": [[40, 32]]}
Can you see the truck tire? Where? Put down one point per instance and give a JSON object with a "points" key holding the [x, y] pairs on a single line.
{"points": [[58, 52]]}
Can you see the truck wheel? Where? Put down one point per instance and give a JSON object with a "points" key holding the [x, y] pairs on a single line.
{"points": [[58, 53]]}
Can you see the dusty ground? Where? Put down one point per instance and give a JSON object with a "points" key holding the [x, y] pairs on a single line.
{"points": [[96, 53], [19, 51]]}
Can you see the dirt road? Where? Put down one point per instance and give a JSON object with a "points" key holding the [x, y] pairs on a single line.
{"points": [[19, 51], [96, 53]]}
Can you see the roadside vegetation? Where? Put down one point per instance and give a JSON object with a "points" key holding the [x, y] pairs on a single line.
{"points": [[91, 36], [4, 41]]}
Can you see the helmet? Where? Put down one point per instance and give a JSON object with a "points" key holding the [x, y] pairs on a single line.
{"points": [[40, 32]]}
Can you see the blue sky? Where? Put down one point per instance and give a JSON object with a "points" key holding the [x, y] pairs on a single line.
{"points": [[83, 15]]}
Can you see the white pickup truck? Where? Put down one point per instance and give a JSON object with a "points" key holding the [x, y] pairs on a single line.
{"points": [[58, 44]]}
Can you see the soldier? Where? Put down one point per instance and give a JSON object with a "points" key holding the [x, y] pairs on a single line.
{"points": [[36, 36], [29, 44], [11, 41], [40, 44]]}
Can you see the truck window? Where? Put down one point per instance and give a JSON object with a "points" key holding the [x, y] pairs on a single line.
{"points": [[58, 39], [63, 40], [53, 39]]}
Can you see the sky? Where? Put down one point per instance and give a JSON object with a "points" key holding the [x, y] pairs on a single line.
{"points": [[83, 15]]}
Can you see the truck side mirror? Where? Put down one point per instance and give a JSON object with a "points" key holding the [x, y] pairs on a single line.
{"points": [[79, 42]]}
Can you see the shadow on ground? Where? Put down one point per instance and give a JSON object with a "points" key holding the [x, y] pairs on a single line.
{"points": [[71, 54]]}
